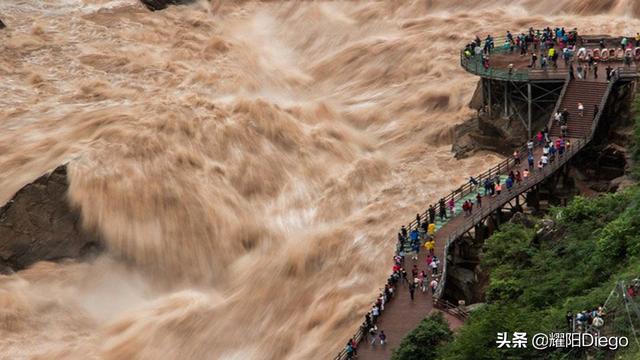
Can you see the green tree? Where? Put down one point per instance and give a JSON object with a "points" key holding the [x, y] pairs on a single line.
{"points": [[423, 341]]}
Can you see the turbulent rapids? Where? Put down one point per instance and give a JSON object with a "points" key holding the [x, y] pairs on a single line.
{"points": [[246, 163]]}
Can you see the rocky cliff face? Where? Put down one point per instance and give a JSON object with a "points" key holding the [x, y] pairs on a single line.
{"points": [[499, 135], [38, 224]]}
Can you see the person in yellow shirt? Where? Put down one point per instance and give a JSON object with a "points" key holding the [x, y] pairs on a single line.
{"points": [[637, 39], [552, 51], [431, 230], [430, 246]]}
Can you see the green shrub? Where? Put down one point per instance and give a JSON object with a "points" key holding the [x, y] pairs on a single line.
{"points": [[423, 341]]}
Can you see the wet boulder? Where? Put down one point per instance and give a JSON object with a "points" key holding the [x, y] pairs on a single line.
{"points": [[39, 224]]}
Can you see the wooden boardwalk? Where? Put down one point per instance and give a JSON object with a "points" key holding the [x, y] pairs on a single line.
{"points": [[402, 314]]}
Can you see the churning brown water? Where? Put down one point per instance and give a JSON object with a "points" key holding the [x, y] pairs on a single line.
{"points": [[247, 163]]}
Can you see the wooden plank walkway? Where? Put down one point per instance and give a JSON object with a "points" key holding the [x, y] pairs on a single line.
{"points": [[401, 315]]}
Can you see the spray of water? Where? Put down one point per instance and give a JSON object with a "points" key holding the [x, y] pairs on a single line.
{"points": [[245, 162]]}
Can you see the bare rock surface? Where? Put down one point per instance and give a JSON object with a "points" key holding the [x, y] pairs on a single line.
{"points": [[38, 224]]}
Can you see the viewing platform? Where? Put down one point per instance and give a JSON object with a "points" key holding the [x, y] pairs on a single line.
{"points": [[509, 87], [508, 64]]}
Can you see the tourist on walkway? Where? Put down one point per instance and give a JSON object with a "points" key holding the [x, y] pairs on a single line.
{"points": [[530, 146], [403, 230], [540, 138], [498, 189], [452, 207], [580, 109], [530, 161], [557, 117], [373, 332], [350, 350], [434, 285], [595, 111], [509, 183], [545, 133], [414, 236], [516, 157], [423, 281], [545, 160], [432, 214], [418, 220], [479, 199], [579, 71], [434, 266], [412, 290], [430, 246], [487, 187], [564, 130], [416, 249], [443, 210], [608, 70], [473, 182], [431, 230], [565, 116], [595, 70], [383, 337], [375, 312], [534, 59]]}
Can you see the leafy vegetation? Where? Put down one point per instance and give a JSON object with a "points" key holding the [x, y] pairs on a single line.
{"points": [[535, 280], [423, 341]]}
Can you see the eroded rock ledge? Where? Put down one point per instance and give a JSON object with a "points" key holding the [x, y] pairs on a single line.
{"points": [[38, 224]]}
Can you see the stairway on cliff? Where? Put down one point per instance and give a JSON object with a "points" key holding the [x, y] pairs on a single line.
{"points": [[589, 93]]}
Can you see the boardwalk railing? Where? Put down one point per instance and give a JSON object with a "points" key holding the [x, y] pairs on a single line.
{"points": [[481, 213], [535, 178], [449, 308]]}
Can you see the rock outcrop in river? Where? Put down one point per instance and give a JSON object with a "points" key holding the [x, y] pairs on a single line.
{"points": [[38, 224]]}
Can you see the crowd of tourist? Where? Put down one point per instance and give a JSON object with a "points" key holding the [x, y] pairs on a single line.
{"points": [[587, 320], [546, 47], [421, 278], [592, 321]]}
